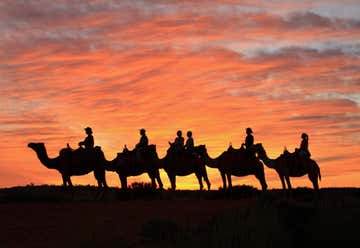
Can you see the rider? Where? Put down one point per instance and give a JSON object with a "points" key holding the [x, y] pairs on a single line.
{"points": [[178, 143], [142, 145], [303, 151], [88, 142], [179, 140], [189, 146], [249, 142]]}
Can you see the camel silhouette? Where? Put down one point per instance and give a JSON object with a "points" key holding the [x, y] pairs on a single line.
{"points": [[74, 162], [126, 164], [183, 164], [290, 165], [234, 162]]}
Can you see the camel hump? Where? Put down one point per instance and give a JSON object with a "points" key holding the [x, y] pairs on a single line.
{"points": [[65, 151]]}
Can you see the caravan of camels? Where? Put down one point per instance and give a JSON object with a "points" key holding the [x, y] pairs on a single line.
{"points": [[180, 160]]}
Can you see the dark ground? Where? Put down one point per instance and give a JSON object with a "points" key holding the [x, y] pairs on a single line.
{"points": [[48, 216]]}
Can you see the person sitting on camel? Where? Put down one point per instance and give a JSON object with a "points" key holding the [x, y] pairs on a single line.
{"points": [[88, 142], [303, 151], [249, 142], [178, 143], [142, 145], [189, 146]]}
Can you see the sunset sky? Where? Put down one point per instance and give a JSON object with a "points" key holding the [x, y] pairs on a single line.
{"points": [[213, 67]]}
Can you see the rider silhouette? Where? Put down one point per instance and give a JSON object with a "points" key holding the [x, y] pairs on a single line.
{"points": [[88, 142], [142, 145], [144, 141], [189, 146], [303, 151], [249, 140], [179, 140], [178, 144]]}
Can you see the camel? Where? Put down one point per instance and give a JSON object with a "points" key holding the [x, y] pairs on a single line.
{"points": [[126, 164], [183, 164], [234, 162], [74, 162], [288, 165]]}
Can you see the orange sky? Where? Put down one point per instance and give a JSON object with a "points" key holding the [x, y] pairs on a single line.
{"points": [[213, 67]]}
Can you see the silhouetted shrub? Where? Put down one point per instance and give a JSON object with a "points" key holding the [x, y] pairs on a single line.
{"points": [[141, 186]]}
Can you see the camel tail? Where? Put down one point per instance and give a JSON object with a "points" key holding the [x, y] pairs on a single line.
{"points": [[319, 174]]}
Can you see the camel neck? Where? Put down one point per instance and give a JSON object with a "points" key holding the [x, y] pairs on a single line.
{"points": [[211, 162], [110, 165], [161, 162], [267, 161], [45, 160]]}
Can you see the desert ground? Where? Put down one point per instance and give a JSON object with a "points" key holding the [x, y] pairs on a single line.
{"points": [[49, 216]]}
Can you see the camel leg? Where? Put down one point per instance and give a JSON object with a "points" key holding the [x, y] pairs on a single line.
{"points": [[223, 177], [173, 182], [69, 182], [206, 179], [64, 180], [287, 178], [161, 186], [228, 175], [151, 174], [99, 176], [314, 179], [263, 183], [153, 183], [99, 184], [99, 191], [199, 177], [102, 180], [123, 181], [282, 181], [105, 183], [261, 177]]}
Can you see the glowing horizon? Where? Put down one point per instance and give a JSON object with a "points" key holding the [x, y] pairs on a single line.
{"points": [[213, 67]]}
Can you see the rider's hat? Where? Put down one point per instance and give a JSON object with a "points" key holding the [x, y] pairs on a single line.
{"points": [[304, 135], [248, 130]]}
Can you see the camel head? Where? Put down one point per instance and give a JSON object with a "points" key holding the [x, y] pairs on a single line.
{"points": [[37, 147], [201, 150]]}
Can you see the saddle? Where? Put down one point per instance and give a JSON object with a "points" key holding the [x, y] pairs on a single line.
{"points": [[68, 151], [294, 160]]}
